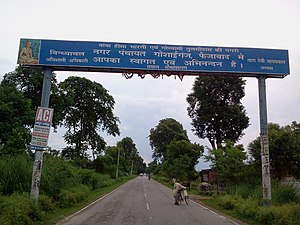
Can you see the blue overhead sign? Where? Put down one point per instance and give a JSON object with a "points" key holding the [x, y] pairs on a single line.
{"points": [[110, 56]]}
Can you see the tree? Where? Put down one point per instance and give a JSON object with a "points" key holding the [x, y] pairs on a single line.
{"points": [[284, 150], [15, 117], [129, 159], [88, 109], [163, 134], [128, 153], [181, 158], [153, 167], [229, 162], [216, 110], [107, 163], [30, 83]]}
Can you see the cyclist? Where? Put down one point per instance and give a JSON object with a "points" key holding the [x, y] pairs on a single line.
{"points": [[177, 190]]}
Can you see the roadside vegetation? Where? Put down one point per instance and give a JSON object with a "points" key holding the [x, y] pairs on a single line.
{"points": [[86, 168], [64, 189]]}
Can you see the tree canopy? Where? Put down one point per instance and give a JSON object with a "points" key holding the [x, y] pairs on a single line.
{"points": [[88, 109], [173, 153], [30, 83], [15, 117], [129, 161], [284, 150], [84, 107], [216, 110], [163, 134], [181, 158]]}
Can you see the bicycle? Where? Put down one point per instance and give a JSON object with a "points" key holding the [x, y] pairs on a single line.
{"points": [[182, 196], [186, 196]]}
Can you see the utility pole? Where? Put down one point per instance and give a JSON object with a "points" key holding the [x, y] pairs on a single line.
{"points": [[131, 167], [264, 141], [118, 161], [37, 166]]}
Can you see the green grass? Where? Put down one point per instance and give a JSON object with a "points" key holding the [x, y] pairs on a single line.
{"points": [[59, 214], [213, 204]]}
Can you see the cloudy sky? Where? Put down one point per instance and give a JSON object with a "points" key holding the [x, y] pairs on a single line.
{"points": [[141, 103]]}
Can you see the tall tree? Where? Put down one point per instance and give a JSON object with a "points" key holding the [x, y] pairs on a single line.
{"points": [[216, 110], [284, 145], [88, 109], [128, 153], [163, 134]]}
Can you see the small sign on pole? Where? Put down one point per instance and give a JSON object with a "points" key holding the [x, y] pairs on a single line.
{"points": [[41, 128]]}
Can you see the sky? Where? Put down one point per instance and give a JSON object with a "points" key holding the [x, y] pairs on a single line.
{"points": [[142, 103]]}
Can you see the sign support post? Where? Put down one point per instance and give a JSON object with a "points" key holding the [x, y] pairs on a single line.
{"points": [[264, 141], [37, 166]]}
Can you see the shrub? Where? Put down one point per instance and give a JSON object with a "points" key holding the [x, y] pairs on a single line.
{"points": [[227, 201], [247, 208], [265, 215], [279, 215], [46, 203], [72, 196], [105, 180], [57, 174], [283, 194], [15, 174], [17, 209], [92, 179]]}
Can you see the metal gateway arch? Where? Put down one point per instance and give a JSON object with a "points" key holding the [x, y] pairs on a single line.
{"points": [[156, 60]]}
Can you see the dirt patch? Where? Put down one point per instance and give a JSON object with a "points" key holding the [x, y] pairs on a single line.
{"points": [[198, 197]]}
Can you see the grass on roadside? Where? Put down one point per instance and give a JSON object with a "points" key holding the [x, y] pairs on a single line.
{"points": [[213, 204]]}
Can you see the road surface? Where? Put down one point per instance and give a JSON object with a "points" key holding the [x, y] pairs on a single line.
{"points": [[144, 202]]}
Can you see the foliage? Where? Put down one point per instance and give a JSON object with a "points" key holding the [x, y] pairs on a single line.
{"points": [[62, 184], [283, 194], [107, 163], [30, 83], [153, 167], [15, 118], [129, 160], [245, 191], [15, 174], [228, 161], [181, 158], [216, 110], [88, 109], [284, 148], [161, 136], [57, 174], [18, 210], [129, 156], [73, 195], [287, 214]]}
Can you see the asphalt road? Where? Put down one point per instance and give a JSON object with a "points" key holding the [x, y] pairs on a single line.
{"points": [[144, 202]]}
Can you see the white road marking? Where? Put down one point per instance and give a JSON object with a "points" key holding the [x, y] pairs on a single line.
{"points": [[147, 206]]}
